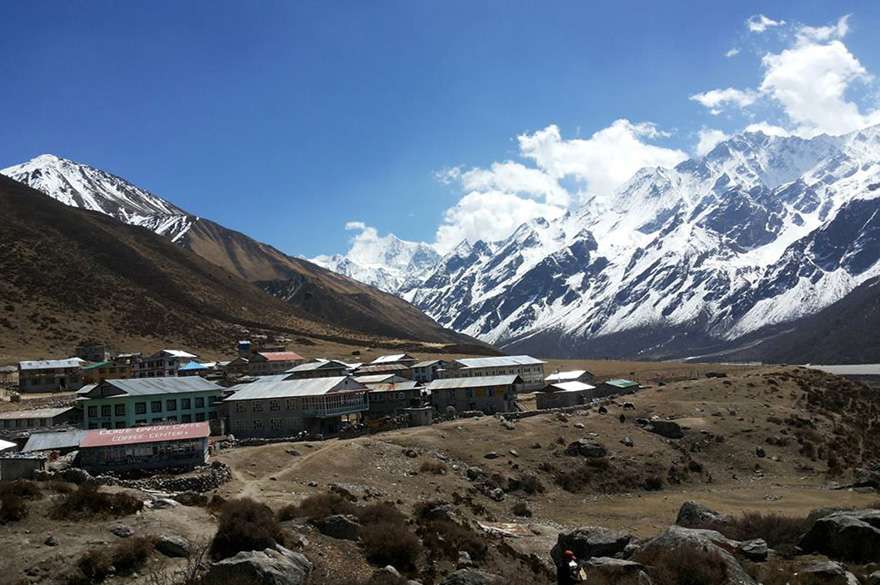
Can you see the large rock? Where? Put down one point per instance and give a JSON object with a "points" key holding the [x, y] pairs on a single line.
{"points": [[76, 475], [680, 541], [618, 571], [824, 573], [852, 535], [272, 566], [586, 448], [173, 546], [470, 577], [665, 428], [342, 526], [694, 515], [590, 541], [755, 550]]}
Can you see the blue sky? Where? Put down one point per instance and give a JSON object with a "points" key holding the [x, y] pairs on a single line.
{"points": [[286, 120]]}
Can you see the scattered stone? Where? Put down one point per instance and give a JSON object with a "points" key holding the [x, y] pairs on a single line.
{"points": [[578, 425], [617, 571], [677, 537], [474, 473], [824, 573], [852, 535], [470, 577], [491, 455], [590, 541], [341, 526], [621, 418], [272, 566], [695, 515], [755, 550], [514, 453], [51, 540], [627, 441], [173, 546], [464, 560], [629, 406], [873, 578], [496, 494], [759, 451], [293, 453], [411, 453], [161, 504], [122, 531], [536, 445], [665, 428], [313, 483], [603, 410], [507, 424], [76, 475], [586, 448], [561, 417]]}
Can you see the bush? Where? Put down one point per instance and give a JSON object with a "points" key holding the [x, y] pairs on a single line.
{"points": [[21, 488], [684, 566], [380, 512], [94, 566], [779, 531], [531, 484], [444, 538], [245, 525], [522, 509], [13, 507], [131, 554], [317, 507], [60, 487], [435, 467], [87, 502], [391, 543]]}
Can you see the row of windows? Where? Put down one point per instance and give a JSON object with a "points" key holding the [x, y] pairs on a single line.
{"points": [[307, 403], [24, 423], [185, 418], [141, 407]]}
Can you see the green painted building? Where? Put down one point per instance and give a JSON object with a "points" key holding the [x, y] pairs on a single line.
{"points": [[117, 404]]}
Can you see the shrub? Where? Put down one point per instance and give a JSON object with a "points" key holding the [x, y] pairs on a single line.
{"points": [[21, 488], [531, 484], [380, 512], [444, 538], [684, 565], [12, 507], [391, 543], [87, 502], [574, 480], [245, 525], [60, 487], [317, 507], [522, 509], [435, 467], [779, 531], [131, 554], [653, 483], [95, 565]]}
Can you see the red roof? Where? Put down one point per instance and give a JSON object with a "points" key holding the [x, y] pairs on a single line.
{"points": [[153, 434], [281, 356]]}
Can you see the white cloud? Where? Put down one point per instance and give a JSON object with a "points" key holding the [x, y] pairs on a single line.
{"points": [[709, 139], [732, 52], [448, 175], [810, 82], [605, 160], [355, 225], [515, 178], [810, 34], [489, 216], [760, 23], [768, 129], [716, 99]]}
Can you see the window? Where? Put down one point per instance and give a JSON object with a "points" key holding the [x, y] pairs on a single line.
{"points": [[140, 407], [171, 405], [119, 410], [140, 421], [239, 407], [274, 405], [200, 416], [156, 406], [185, 404], [106, 425], [258, 406], [120, 424], [105, 410], [186, 418], [93, 411], [200, 403], [172, 418], [93, 425]]}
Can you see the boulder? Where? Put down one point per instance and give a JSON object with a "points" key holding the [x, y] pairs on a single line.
{"points": [[474, 473], [491, 455], [695, 515], [272, 566], [617, 571], [76, 475], [754, 550], [470, 577], [341, 526], [677, 538], [161, 503], [586, 448], [852, 535], [824, 573], [627, 441], [122, 531], [173, 546], [873, 578], [590, 541], [665, 428], [51, 540]]}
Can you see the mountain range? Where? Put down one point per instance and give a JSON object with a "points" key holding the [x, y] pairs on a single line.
{"points": [[727, 254], [261, 285]]}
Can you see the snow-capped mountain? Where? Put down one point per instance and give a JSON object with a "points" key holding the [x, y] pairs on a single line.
{"points": [[760, 232], [386, 262], [85, 187]]}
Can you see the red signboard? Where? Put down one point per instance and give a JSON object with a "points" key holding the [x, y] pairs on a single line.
{"points": [[153, 434]]}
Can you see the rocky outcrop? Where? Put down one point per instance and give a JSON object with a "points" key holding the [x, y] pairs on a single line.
{"points": [[824, 573], [272, 566], [665, 428], [695, 515], [591, 541], [852, 535], [173, 546], [470, 577], [617, 571], [586, 448], [342, 526]]}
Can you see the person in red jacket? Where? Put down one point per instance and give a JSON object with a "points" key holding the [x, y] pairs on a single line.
{"points": [[567, 570]]}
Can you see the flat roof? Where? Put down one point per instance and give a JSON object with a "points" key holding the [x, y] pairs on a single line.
{"points": [[139, 435], [848, 369], [390, 359], [294, 388], [178, 353], [393, 387], [621, 383], [500, 361], [426, 363], [573, 386], [50, 364], [170, 385], [311, 366], [473, 382], [565, 376], [378, 378], [34, 413], [52, 440], [280, 356], [383, 368]]}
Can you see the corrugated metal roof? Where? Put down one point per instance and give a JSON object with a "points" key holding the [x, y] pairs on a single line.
{"points": [[500, 361], [311, 366], [621, 383], [139, 435], [8, 369], [178, 353], [151, 386], [281, 356], [848, 369], [564, 376], [393, 387], [50, 364], [34, 413], [52, 440], [474, 382], [390, 359], [571, 387], [425, 364], [86, 389], [383, 368], [7, 445], [193, 366], [378, 378], [293, 388]]}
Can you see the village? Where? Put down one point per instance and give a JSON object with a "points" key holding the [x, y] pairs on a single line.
{"points": [[121, 412]]}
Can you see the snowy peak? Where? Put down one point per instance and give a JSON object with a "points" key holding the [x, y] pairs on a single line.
{"points": [[85, 187]]}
